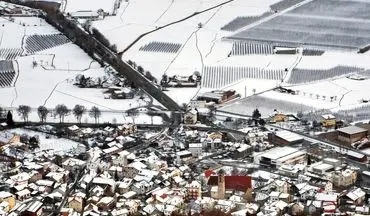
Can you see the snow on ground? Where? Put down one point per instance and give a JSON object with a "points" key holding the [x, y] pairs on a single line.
{"points": [[90, 5], [56, 144], [331, 59], [182, 95], [106, 117], [71, 95], [198, 44], [317, 103], [50, 82]]}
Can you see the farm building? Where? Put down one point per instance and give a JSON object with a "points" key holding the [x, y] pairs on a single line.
{"points": [[284, 138], [190, 116], [279, 156], [356, 156], [279, 117], [218, 96], [328, 120], [85, 15], [351, 134]]}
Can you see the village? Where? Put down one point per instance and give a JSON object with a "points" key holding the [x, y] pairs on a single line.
{"points": [[184, 108], [256, 168]]}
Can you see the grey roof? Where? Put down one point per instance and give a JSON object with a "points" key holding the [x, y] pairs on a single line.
{"points": [[351, 130]]}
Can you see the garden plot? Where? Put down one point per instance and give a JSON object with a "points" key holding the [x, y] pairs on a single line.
{"points": [[310, 75], [36, 43], [316, 27], [7, 73], [218, 77], [161, 47]]}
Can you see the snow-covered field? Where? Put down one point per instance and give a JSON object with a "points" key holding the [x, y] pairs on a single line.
{"points": [[53, 143], [50, 81], [203, 44]]}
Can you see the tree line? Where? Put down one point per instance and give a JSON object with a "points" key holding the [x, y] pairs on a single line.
{"points": [[61, 111]]}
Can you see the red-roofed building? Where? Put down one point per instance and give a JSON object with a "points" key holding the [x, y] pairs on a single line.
{"points": [[209, 173], [233, 183]]}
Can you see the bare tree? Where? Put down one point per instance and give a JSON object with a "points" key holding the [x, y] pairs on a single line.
{"points": [[61, 110], [24, 111], [42, 111], [78, 111], [95, 113]]}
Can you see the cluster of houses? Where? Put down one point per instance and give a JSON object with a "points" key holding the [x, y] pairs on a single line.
{"points": [[183, 171]]}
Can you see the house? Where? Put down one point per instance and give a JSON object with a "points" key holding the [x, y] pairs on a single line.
{"points": [[116, 92], [193, 190], [285, 138], [34, 208], [127, 129], [196, 149], [8, 198], [279, 117], [106, 203], [107, 183], [73, 164], [132, 169], [190, 117], [23, 194], [279, 156], [328, 120], [356, 196], [8, 138], [218, 96], [351, 134], [344, 178], [76, 203], [244, 150]]}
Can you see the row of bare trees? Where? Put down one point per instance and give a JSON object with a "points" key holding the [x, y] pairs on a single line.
{"points": [[61, 111]]}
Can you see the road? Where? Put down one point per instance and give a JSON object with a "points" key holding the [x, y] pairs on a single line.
{"points": [[98, 51]]}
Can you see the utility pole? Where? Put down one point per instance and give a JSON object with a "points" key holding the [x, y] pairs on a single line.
{"points": [[245, 91]]}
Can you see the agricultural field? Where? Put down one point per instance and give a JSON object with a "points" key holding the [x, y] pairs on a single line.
{"points": [[228, 75], [7, 73], [36, 43], [265, 105], [339, 25], [160, 47], [240, 48], [310, 75], [240, 22], [10, 53], [43, 71]]}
